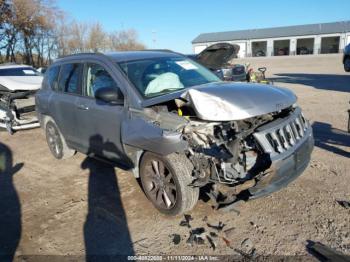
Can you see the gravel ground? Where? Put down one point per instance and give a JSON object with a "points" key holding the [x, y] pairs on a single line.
{"points": [[80, 206]]}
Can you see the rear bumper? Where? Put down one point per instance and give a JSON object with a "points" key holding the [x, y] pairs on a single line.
{"points": [[285, 169]]}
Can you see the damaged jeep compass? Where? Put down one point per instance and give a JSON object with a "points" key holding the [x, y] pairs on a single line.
{"points": [[176, 125]]}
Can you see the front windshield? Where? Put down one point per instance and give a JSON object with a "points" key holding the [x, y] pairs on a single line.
{"points": [[157, 76]]}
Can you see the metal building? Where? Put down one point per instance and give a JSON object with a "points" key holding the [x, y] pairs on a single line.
{"points": [[288, 40]]}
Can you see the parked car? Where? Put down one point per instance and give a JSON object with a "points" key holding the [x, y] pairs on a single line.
{"points": [[176, 125], [18, 84], [217, 58], [346, 58]]}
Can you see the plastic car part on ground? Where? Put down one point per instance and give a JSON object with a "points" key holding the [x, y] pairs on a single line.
{"points": [[325, 253]]}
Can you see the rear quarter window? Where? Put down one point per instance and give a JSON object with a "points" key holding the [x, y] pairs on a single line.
{"points": [[52, 77], [69, 80]]}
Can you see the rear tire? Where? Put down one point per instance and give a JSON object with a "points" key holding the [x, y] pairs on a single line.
{"points": [[165, 181], [56, 142]]}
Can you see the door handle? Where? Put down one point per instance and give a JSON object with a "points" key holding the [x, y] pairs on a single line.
{"points": [[82, 107]]}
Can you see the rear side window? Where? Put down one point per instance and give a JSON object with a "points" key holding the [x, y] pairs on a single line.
{"points": [[52, 77], [70, 78]]}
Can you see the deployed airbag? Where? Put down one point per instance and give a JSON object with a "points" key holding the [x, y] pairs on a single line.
{"points": [[163, 82]]}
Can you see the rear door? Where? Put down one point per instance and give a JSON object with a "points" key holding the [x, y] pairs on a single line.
{"points": [[99, 123], [64, 98]]}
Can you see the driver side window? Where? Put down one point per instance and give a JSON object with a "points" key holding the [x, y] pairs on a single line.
{"points": [[97, 77]]}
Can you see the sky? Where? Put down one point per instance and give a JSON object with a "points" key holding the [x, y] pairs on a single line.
{"points": [[173, 24]]}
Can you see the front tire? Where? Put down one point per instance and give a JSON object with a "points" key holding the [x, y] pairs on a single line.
{"points": [[56, 142], [165, 181]]}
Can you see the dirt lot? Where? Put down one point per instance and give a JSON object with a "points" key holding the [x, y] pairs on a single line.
{"points": [[80, 206]]}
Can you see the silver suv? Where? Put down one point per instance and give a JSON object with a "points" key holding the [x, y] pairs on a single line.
{"points": [[176, 125]]}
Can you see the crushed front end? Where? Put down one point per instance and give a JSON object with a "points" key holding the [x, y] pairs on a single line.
{"points": [[249, 158]]}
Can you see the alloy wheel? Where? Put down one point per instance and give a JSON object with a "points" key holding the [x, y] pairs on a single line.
{"points": [[159, 184], [54, 140]]}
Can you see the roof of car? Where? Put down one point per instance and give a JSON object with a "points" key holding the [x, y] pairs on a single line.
{"points": [[122, 56], [137, 55]]}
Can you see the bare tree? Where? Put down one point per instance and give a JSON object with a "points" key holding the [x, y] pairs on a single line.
{"points": [[125, 40], [36, 31], [97, 38]]}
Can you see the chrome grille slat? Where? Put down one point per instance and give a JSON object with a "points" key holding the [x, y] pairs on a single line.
{"points": [[275, 138], [285, 142], [295, 131], [301, 129], [292, 139], [282, 135]]}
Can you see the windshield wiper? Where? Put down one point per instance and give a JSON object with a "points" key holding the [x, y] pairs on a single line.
{"points": [[166, 91]]}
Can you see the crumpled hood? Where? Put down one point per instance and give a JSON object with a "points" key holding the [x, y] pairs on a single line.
{"points": [[236, 101], [225, 101], [21, 83]]}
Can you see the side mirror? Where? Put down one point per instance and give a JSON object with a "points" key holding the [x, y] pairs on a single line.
{"points": [[110, 95]]}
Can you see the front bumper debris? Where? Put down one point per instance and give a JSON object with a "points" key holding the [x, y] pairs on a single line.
{"points": [[289, 144], [284, 170]]}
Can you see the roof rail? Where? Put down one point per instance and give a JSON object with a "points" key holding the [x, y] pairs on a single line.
{"points": [[83, 53]]}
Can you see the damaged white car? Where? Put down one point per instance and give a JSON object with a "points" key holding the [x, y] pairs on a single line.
{"points": [[18, 84], [176, 125]]}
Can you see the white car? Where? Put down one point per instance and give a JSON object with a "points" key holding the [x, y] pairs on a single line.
{"points": [[18, 85]]}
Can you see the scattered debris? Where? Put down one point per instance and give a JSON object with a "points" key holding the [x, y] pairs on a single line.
{"points": [[227, 242], [324, 253], [176, 238], [213, 234], [198, 231], [186, 222], [247, 246], [195, 236], [194, 239], [211, 242], [343, 203], [219, 227]]}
